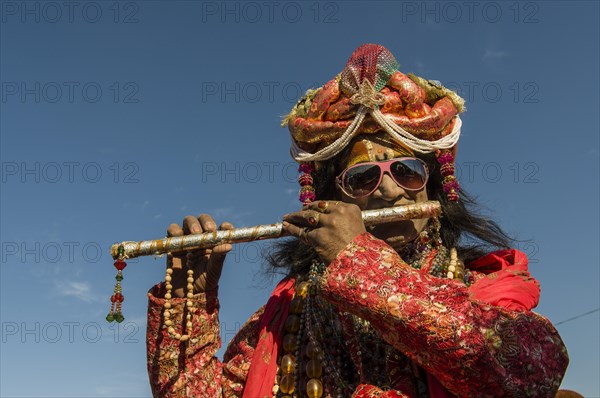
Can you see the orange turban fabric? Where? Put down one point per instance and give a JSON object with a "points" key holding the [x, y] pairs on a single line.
{"points": [[372, 82]]}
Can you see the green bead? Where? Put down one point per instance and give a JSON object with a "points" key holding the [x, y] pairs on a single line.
{"points": [[119, 278], [121, 249], [110, 317], [119, 317]]}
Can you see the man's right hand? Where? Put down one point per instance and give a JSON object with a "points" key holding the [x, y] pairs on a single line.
{"points": [[207, 264]]}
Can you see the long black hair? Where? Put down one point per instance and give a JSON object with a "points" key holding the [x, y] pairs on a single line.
{"points": [[462, 224]]}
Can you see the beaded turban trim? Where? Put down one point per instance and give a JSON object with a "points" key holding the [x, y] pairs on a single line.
{"points": [[371, 95]]}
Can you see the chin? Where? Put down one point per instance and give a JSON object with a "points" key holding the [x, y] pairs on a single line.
{"points": [[395, 234], [398, 242]]}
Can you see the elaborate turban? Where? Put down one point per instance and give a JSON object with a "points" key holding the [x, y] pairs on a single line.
{"points": [[371, 96]]}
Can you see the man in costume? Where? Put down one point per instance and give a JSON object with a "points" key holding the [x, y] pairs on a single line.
{"points": [[400, 310]]}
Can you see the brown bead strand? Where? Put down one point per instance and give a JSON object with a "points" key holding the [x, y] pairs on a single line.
{"points": [[314, 362], [331, 362], [286, 383]]}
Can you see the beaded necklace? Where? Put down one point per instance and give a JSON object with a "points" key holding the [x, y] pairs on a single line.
{"points": [[306, 366], [428, 253]]}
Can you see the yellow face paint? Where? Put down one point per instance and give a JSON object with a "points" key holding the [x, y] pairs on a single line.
{"points": [[372, 148]]}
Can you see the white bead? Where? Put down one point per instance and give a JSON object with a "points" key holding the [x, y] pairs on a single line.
{"points": [[169, 322], [188, 325], [167, 296], [452, 268], [188, 316], [167, 314], [190, 272], [177, 336], [185, 337], [190, 280], [190, 295], [167, 305], [168, 278], [450, 275], [169, 271], [189, 304], [171, 330], [169, 286]]}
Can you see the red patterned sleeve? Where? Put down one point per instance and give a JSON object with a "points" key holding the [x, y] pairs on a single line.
{"points": [[473, 347], [190, 369]]}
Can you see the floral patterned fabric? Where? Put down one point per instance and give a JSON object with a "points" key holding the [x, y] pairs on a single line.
{"points": [[467, 339]]}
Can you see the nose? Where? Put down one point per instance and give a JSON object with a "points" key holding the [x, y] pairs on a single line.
{"points": [[388, 190]]}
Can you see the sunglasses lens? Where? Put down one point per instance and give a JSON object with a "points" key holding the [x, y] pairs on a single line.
{"points": [[361, 180], [409, 173]]}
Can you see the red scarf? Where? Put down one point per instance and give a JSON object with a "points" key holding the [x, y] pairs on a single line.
{"points": [[263, 368], [509, 284]]}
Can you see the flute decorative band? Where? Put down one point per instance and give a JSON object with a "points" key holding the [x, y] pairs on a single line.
{"points": [[125, 250]]}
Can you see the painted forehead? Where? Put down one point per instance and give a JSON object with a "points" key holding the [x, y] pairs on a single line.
{"points": [[373, 149]]}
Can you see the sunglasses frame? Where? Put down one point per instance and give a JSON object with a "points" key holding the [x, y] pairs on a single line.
{"points": [[384, 167]]}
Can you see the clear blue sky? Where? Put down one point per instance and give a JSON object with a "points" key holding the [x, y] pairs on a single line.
{"points": [[119, 118]]}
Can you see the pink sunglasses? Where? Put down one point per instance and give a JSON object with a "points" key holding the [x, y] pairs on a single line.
{"points": [[363, 179]]}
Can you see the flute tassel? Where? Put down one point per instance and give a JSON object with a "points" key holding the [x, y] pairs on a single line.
{"points": [[117, 298]]}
